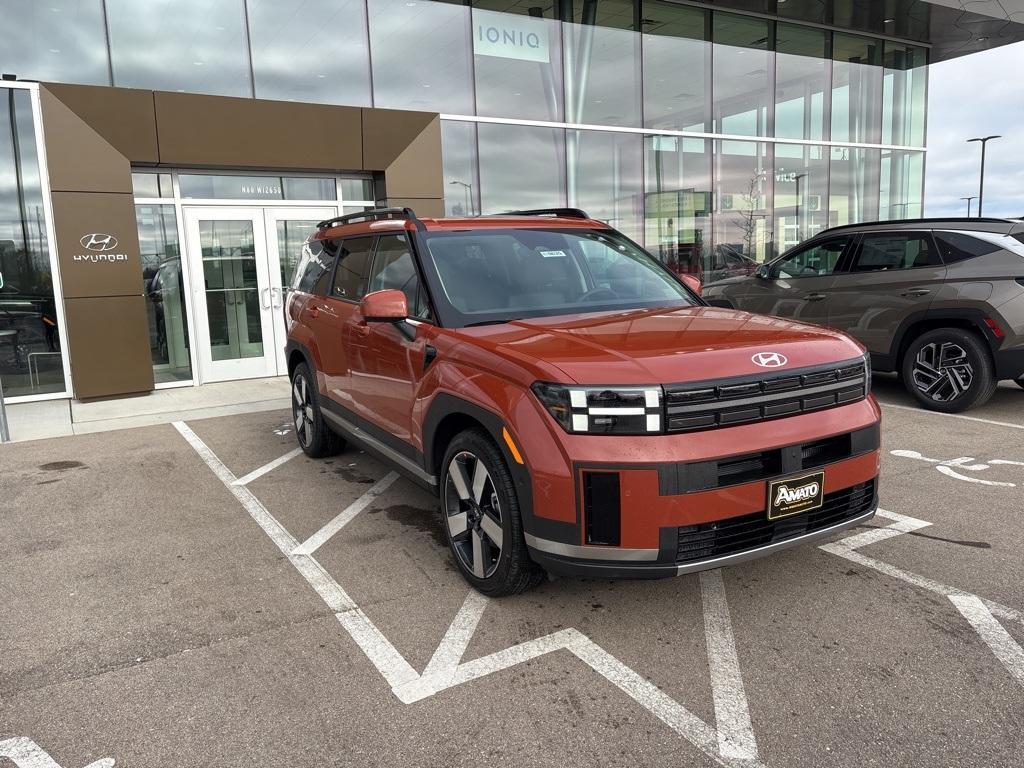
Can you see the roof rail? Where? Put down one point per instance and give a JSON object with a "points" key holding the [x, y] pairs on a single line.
{"points": [[565, 213], [372, 215], [932, 220]]}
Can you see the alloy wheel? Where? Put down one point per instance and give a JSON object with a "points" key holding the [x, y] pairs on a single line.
{"points": [[302, 410], [943, 371], [473, 514]]}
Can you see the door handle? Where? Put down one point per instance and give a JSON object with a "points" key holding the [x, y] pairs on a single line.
{"points": [[265, 303], [361, 328], [314, 311], [815, 296], [916, 292]]}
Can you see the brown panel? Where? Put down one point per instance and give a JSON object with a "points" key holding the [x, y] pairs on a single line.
{"points": [[104, 269], [109, 343], [123, 116], [424, 206], [79, 159], [387, 132], [417, 171], [216, 131]]}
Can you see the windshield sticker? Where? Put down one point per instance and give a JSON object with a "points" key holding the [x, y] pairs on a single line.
{"points": [[553, 254]]}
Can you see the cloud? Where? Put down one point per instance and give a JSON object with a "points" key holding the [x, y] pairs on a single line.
{"points": [[976, 95]]}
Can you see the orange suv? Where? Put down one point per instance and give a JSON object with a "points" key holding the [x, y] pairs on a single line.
{"points": [[575, 406]]}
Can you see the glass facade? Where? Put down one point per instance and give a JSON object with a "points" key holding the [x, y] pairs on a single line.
{"points": [[710, 135], [31, 362]]}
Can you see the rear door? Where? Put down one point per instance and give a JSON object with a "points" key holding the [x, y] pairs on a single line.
{"points": [[798, 286], [889, 276]]}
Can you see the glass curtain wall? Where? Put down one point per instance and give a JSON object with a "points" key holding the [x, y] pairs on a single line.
{"points": [[30, 356]]}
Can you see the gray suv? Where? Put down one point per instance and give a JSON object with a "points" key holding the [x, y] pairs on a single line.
{"points": [[939, 301]]}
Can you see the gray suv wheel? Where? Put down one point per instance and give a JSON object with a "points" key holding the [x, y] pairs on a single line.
{"points": [[948, 370]]}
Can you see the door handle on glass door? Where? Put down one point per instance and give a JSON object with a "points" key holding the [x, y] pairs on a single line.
{"points": [[815, 296]]}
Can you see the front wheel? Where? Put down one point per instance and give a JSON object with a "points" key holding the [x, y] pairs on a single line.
{"points": [[948, 370], [482, 520]]}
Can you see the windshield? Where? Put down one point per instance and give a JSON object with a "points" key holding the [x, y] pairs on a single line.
{"points": [[505, 274]]}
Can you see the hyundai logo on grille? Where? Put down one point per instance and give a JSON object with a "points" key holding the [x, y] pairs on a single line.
{"points": [[97, 241], [769, 359]]}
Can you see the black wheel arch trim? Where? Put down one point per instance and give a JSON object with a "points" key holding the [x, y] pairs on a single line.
{"points": [[975, 317]]}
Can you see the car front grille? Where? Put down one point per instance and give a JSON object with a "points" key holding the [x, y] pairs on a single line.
{"points": [[711, 404], [738, 534]]}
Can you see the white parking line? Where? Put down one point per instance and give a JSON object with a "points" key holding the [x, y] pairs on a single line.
{"points": [[1009, 424], [446, 668], [993, 633], [732, 715], [318, 539], [25, 753], [268, 467]]}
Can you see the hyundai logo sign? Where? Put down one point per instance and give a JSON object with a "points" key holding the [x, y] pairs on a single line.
{"points": [[97, 241], [769, 359]]}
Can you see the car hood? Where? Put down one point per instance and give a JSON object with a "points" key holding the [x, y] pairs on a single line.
{"points": [[663, 346]]}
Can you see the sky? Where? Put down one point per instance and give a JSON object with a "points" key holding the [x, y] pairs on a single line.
{"points": [[976, 95]]}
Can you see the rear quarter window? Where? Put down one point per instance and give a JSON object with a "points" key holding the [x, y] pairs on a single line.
{"points": [[957, 246]]}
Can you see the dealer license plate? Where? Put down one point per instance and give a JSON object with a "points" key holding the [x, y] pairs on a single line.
{"points": [[793, 495]]}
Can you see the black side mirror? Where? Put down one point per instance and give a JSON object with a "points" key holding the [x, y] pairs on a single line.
{"points": [[763, 272]]}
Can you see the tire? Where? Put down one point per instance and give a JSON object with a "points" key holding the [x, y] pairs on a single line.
{"points": [[480, 515], [948, 370], [315, 438]]}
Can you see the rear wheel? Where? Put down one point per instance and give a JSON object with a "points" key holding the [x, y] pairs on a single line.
{"points": [[948, 370], [315, 438], [482, 519]]}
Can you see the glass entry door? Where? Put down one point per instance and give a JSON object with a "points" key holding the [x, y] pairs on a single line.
{"points": [[241, 260]]}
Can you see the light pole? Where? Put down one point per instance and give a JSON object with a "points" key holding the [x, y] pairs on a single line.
{"points": [[469, 196], [981, 183], [968, 199]]}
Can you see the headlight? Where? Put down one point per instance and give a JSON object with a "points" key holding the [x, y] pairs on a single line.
{"points": [[602, 410]]}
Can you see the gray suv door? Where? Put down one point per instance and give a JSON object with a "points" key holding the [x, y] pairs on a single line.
{"points": [[889, 276], [797, 285]]}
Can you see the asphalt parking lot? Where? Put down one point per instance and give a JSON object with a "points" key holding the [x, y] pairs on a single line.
{"points": [[198, 595]]}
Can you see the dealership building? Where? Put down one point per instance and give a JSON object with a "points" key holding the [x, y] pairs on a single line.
{"points": [[161, 161]]}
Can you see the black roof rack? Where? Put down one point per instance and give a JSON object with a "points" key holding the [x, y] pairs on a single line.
{"points": [[371, 215], [912, 222], [565, 213]]}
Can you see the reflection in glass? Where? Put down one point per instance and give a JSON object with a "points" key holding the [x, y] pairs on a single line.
{"points": [[461, 182], [180, 45], [742, 75], [228, 187], [743, 175], [853, 185], [602, 75], [905, 89], [232, 300], [801, 193], [801, 81], [291, 234], [674, 45], [518, 66], [164, 289], [422, 56], [299, 55], [678, 201], [901, 190], [59, 41], [356, 189], [605, 178], [521, 167], [856, 89], [30, 357], [152, 185]]}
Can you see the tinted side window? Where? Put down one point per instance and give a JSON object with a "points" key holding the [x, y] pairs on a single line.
{"points": [[895, 250], [394, 269], [314, 268], [955, 246], [353, 265], [814, 260]]}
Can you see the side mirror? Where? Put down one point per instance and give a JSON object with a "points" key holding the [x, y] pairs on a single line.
{"points": [[763, 271], [384, 307], [693, 283]]}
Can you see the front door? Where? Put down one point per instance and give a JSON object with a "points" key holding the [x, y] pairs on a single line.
{"points": [[240, 260]]}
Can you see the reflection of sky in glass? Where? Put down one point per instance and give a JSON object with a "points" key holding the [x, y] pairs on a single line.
{"points": [[54, 41], [603, 66], [180, 45], [521, 167]]}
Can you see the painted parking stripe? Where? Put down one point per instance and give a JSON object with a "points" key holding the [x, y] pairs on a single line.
{"points": [[1009, 424], [318, 539], [446, 666], [25, 753], [992, 633], [269, 466]]}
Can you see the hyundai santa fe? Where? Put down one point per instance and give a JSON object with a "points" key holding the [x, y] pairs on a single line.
{"points": [[938, 301], [575, 407]]}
